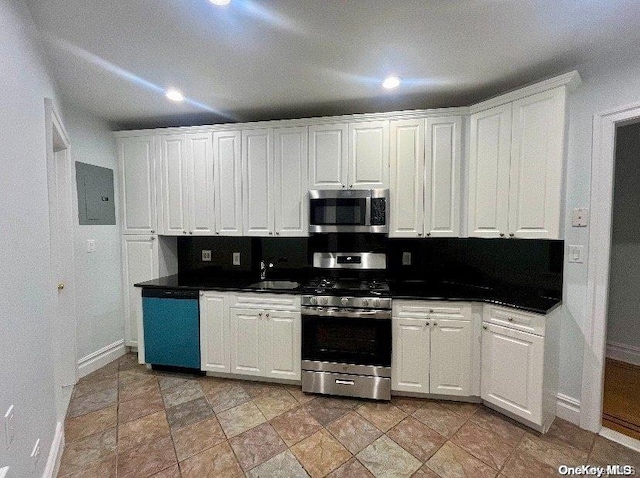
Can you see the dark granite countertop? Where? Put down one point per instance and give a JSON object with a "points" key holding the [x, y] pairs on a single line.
{"points": [[519, 298]]}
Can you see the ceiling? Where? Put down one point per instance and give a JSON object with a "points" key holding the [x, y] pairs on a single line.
{"points": [[265, 59]]}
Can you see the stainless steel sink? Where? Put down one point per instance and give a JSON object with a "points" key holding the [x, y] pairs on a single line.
{"points": [[274, 284]]}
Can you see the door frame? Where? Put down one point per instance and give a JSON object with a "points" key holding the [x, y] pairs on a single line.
{"points": [[57, 151], [595, 333]]}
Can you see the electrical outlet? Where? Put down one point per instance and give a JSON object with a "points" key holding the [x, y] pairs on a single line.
{"points": [[91, 245], [9, 426], [406, 258], [35, 453], [206, 256], [580, 217], [236, 258]]}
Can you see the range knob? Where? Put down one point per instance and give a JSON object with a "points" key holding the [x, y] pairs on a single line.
{"points": [[376, 302], [344, 301], [322, 300], [365, 302], [313, 301]]}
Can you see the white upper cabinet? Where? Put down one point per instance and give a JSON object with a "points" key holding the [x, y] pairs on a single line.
{"points": [[173, 158], [369, 155], [425, 177], [200, 184], [291, 182], [187, 184], [516, 168], [443, 141], [407, 178], [228, 182], [328, 154], [537, 150], [137, 166], [257, 167], [489, 165]]}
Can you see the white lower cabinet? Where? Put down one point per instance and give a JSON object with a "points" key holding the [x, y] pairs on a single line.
{"points": [[432, 348], [250, 334], [214, 333], [519, 368]]}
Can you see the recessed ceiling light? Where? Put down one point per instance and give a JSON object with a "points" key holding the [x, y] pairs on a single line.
{"points": [[391, 82], [174, 95], [220, 2]]}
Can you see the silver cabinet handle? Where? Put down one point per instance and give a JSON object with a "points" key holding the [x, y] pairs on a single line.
{"points": [[277, 233], [345, 382], [502, 234], [259, 314], [510, 319], [184, 232], [427, 323], [153, 238], [201, 294], [428, 234], [419, 234], [484, 327], [190, 232], [431, 311], [153, 232], [267, 315], [511, 234]]}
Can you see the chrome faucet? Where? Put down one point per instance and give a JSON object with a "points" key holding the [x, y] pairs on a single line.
{"points": [[269, 264]]}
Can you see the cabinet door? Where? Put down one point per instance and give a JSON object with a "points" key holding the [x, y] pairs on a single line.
{"points": [[174, 185], [140, 263], [328, 149], [512, 366], [407, 178], [138, 184], [282, 344], [257, 173], [537, 159], [247, 341], [443, 141], [290, 182], [369, 155], [200, 184], [489, 163], [410, 355], [451, 357], [228, 182], [214, 333]]}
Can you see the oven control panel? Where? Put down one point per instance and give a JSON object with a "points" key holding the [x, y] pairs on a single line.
{"points": [[347, 301]]}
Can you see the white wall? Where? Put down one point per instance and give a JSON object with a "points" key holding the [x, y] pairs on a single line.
{"points": [[99, 298], [608, 84], [26, 292], [623, 326]]}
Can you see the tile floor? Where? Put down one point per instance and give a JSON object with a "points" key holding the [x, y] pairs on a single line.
{"points": [[127, 421]]}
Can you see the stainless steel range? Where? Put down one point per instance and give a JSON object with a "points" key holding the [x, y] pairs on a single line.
{"points": [[346, 327]]}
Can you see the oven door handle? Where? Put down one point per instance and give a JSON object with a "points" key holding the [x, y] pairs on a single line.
{"points": [[348, 313]]}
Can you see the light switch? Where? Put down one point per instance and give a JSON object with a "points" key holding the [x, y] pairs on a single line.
{"points": [[576, 254], [236, 258], [580, 217], [91, 245], [406, 258]]}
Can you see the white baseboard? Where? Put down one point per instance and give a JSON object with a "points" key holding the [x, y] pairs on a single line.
{"points": [[55, 453], [618, 437], [623, 352], [100, 358], [568, 408]]}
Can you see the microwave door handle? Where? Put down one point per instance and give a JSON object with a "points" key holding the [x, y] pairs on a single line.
{"points": [[367, 212]]}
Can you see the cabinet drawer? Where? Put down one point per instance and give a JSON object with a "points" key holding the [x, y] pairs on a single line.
{"points": [[422, 309], [266, 301], [515, 319]]}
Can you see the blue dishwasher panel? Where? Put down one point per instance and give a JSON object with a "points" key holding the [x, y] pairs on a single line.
{"points": [[171, 332]]}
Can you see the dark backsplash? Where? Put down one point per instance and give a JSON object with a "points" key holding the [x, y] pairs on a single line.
{"points": [[530, 264]]}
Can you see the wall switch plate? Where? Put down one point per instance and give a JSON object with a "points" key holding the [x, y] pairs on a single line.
{"points": [[236, 258], [91, 245], [406, 258], [9, 426], [580, 217], [206, 256], [576, 254]]}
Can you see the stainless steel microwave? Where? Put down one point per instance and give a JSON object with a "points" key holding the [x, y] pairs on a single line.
{"points": [[350, 210]]}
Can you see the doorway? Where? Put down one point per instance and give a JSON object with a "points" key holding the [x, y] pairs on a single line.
{"points": [[621, 407], [63, 326]]}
